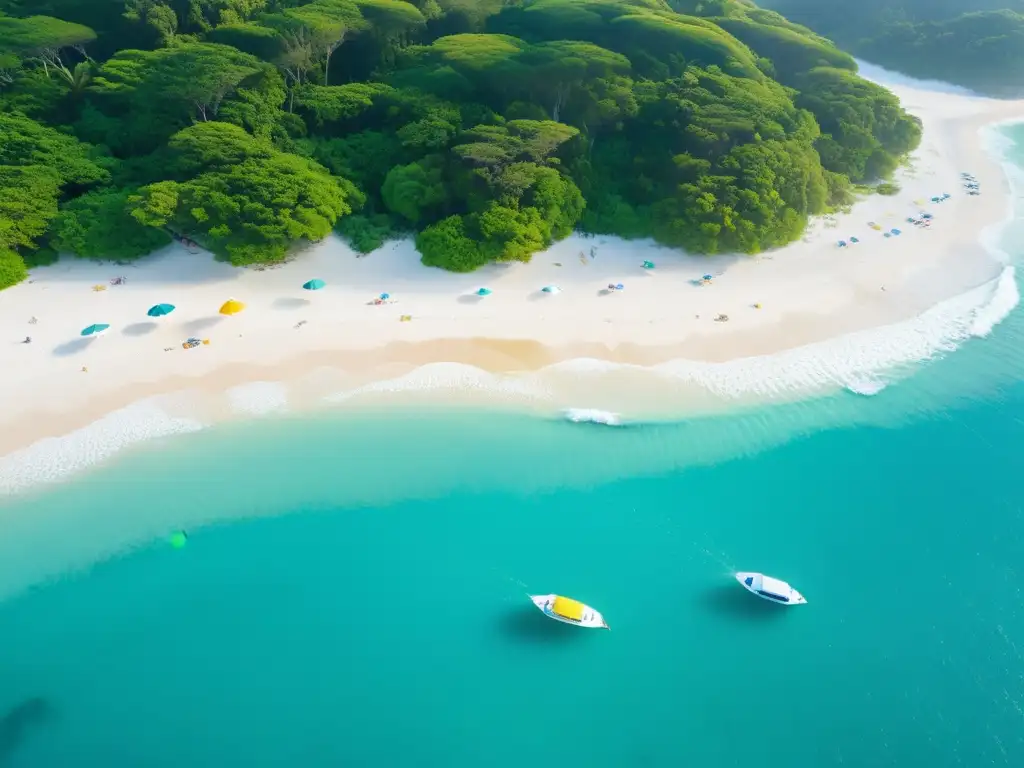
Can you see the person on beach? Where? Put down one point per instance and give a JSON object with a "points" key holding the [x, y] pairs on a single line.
{"points": [[28, 340]]}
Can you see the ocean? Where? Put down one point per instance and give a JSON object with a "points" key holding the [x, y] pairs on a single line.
{"points": [[353, 589]]}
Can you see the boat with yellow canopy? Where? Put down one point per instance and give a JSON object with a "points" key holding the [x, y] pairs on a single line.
{"points": [[569, 611]]}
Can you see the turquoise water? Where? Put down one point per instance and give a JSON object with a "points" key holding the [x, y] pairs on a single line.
{"points": [[353, 591]]}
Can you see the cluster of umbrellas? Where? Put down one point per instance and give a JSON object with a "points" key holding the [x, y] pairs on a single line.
{"points": [[233, 306], [229, 307]]}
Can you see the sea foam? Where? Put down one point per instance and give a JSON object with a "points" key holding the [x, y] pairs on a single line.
{"points": [[258, 398], [53, 458], [451, 377], [592, 416]]}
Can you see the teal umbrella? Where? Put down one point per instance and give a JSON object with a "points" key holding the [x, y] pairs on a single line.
{"points": [[648, 265], [160, 310], [551, 289], [314, 285], [95, 330], [484, 292]]}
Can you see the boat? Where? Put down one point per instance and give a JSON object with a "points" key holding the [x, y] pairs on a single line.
{"points": [[569, 611], [770, 589]]}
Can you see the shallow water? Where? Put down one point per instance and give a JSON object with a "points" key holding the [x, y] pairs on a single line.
{"points": [[353, 590]]}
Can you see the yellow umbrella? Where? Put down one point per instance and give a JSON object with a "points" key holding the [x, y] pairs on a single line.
{"points": [[232, 307]]}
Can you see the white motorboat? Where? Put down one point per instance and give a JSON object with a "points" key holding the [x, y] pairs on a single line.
{"points": [[569, 611], [770, 589]]}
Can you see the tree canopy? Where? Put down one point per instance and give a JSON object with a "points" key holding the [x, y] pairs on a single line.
{"points": [[486, 129], [975, 43]]}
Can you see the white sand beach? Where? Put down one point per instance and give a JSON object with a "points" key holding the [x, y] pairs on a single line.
{"points": [[810, 315]]}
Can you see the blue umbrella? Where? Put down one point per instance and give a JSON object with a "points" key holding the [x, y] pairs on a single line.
{"points": [[484, 292], [314, 285], [707, 277], [896, 232], [95, 330], [160, 310], [842, 243], [385, 296], [619, 287]]}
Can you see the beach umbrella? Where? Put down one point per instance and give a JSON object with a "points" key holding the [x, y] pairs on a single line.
{"points": [[231, 307], [619, 287], [707, 277], [887, 234], [160, 310], [648, 265], [897, 232], [842, 243], [483, 292], [926, 215], [551, 289], [95, 330], [385, 296], [854, 240], [314, 285]]}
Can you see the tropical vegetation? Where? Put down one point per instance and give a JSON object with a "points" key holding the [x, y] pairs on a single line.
{"points": [[974, 43], [486, 128]]}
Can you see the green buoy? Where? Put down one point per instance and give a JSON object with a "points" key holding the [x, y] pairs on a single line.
{"points": [[179, 539]]}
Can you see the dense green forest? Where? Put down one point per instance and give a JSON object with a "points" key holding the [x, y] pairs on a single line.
{"points": [[489, 128], [974, 43]]}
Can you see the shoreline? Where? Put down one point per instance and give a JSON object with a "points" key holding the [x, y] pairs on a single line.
{"points": [[829, 317]]}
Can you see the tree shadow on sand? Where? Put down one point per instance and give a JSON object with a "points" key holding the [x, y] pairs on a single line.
{"points": [[14, 724], [139, 329], [72, 347], [734, 603], [202, 323]]}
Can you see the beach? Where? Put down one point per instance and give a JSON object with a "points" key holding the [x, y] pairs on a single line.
{"points": [[809, 317], [314, 539]]}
